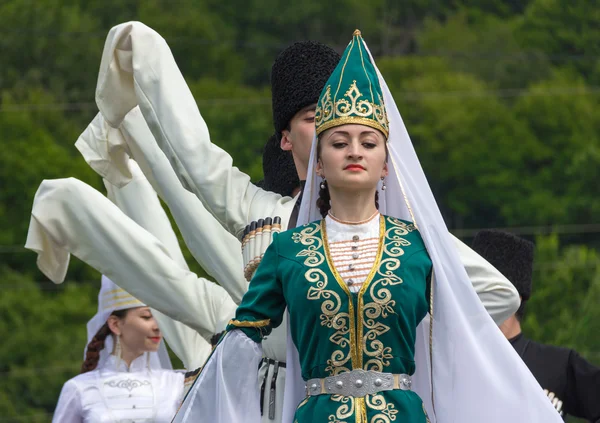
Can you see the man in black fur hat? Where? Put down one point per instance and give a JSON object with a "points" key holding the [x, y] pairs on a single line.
{"points": [[571, 383], [298, 75]]}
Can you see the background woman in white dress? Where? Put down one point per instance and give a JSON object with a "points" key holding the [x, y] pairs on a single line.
{"points": [[126, 375]]}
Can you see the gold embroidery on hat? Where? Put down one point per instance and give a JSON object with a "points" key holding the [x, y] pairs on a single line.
{"points": [[350, 109]]}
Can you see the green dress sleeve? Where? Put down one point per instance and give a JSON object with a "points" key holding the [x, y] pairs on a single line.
{"points": [[263, 305]]}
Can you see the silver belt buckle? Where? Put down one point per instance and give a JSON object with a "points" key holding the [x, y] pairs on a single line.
{"points": [[357, 383]]}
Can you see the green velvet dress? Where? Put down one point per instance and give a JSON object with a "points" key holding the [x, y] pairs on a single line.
{"points": [[336, 330]]}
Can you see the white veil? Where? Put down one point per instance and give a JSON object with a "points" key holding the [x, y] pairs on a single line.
{"points": [[472, 374]]}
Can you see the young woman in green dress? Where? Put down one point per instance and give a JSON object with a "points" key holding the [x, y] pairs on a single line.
{"points": [[357, 285]]}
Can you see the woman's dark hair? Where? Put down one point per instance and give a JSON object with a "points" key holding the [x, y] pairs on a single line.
{"points": [[96, 345], [324, 200]]}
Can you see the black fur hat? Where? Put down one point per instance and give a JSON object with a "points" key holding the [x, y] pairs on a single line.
{"points": [[511, 255], [279, 169], [298, 76]]}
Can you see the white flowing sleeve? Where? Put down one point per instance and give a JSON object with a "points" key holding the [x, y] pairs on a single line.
{"points": [[68, 408], [499, 297], [107, 151], [69, 216], [139, 201], [226, 390], [138, 68]]}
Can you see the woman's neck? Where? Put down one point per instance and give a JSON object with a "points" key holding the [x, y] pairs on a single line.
{"points": [[127, 356], [353, 206]]}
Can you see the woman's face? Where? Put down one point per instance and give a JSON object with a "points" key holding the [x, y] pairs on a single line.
{"points": [[352, 157], [138, 329]]}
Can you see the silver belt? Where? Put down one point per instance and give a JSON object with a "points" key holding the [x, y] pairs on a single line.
{"points": [[358, 383]]}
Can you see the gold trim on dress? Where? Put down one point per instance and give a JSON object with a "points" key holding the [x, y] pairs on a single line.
{"points": [[245, 324], [360, 410], [355, 327], [344, 286], [366, 284], [431, 338]]}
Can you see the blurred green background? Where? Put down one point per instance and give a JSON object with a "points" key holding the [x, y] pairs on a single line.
{"points": [[500, 97]]}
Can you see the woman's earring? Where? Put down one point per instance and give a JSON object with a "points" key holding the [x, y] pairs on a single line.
{"points": [[383, 187], [118, 350], [323, 184]]}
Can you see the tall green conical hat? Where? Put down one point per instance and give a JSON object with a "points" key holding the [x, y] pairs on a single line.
{"points": [[352, 93]]}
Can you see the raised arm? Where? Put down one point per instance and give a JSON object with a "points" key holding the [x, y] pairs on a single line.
{"points": [[139, 201], [69, 216], [138, 68], [105, 149], [499, 297]]}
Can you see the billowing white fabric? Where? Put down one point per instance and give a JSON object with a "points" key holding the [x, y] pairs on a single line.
{"points": [[476, 374], [138, 68], [226, 390], [139, 201], [112, 298], [107, 151], [69, 216]]}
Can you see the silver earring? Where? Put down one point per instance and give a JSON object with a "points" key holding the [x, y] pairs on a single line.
{"points": [[323, 184], [118, 350], [383, 187]]}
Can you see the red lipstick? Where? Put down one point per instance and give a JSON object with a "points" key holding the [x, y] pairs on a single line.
{"points": [[354, 167]]}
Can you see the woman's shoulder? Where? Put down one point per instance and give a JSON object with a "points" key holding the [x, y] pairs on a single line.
{"points": [[289, 243], [406, 224], [81, 380], [405, 229], [306, 230]]}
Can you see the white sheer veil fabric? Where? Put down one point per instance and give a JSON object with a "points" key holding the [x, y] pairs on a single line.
{"points": [[472, 374], [108, 303]]}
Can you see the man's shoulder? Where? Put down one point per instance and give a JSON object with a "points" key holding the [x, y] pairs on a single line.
{"points": [[405, 229], [546, 352]]}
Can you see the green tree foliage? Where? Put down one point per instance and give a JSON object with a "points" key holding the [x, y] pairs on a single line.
{"points": [[563, 171], [44, 337], [500, 98], [565, 31]]}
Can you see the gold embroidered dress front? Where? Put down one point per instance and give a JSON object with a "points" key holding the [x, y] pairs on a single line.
{"points": [[336, 330]]}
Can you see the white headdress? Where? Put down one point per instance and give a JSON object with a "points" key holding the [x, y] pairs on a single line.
{"points": [[112, 298]]}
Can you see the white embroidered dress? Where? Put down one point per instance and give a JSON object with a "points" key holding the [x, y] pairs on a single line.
{"points": [[117, 394]]}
